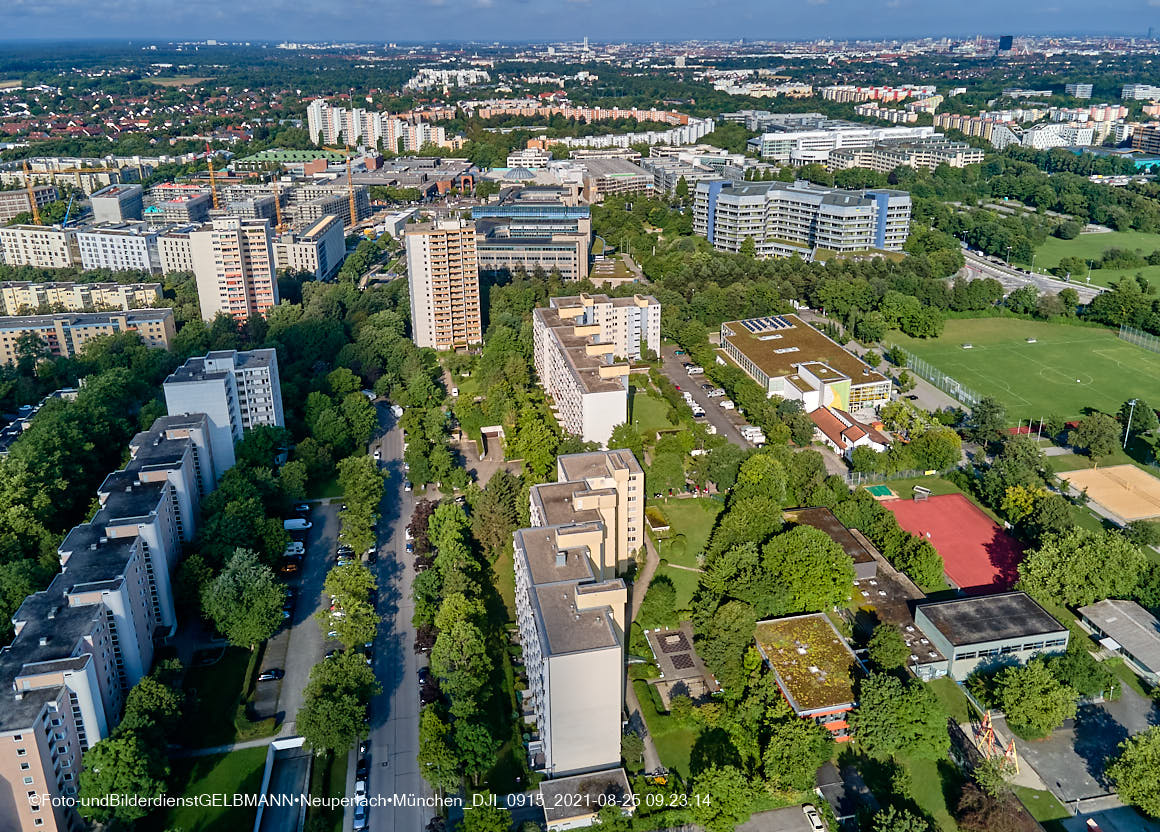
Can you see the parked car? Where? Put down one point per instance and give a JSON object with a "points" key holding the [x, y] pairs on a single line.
{"points": [[726, 404], [406, 485], [813, 818], [424, 676], [363, 769], [288, 567], [360, 791], [708, 388], [678, 352], [302, 508], [270, 675], [378, 454], [360, 817], [296, 524], [408, 534]]}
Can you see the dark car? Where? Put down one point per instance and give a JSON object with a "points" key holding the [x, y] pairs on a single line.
{"points": [[362, 769], [332, 653], [270, 675], [302, 508], [424, 677]]}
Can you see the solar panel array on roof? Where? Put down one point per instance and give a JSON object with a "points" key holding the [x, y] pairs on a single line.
{"points": [[755, 325]]}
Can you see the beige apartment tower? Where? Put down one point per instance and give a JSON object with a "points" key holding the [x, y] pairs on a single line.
{"points": [[233, 261], [444, 281]]}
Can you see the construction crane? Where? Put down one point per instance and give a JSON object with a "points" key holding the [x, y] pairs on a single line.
{"points": [[78, 171], [278, 207], [349, 182], [31, 194], [212, 181]]}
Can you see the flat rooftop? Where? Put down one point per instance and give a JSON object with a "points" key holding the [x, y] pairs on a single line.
{"points": [[584, 794], [983, 618], [597, 464], [558, 503], [822, 519], [541, 547], [572, 630], [779, 344], [813, 665], [132, 316], [1131, 626], [575, 349]]}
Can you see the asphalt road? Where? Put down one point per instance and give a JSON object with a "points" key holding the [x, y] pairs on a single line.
{"points": [[1013, 278], [394, 714], [300, 645], [724, 420]]}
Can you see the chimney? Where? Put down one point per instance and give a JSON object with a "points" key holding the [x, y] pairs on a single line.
{"points": [[44, 641]]}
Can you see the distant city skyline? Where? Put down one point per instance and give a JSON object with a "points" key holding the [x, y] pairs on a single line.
{"points": [[538, 20]]}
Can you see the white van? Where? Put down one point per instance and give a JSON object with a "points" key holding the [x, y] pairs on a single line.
{"points": [[726, 404]]}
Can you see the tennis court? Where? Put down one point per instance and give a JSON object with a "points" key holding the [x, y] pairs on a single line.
{"points": [[1124, 490], [978, 556]]}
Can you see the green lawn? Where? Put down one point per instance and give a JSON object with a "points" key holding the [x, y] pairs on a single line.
{"points": [[648, 411], [1037, 380], [215, 691], [684, 581], [327, 780], [953, 699], [674, 741], [505, 581], [1043, 805], [236, 772], [1126, 676], [692, 518], [1091, 246], [933, 785], [328, 488]]}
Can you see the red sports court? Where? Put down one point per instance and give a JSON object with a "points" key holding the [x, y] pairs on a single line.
{"points": [[978, 554]]}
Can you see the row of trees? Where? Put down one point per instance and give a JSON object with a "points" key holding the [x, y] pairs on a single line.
{"points": [[461, 734]]}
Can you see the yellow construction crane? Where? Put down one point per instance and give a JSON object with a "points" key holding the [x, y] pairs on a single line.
{"points": [[212, 181], [349, 182], [31, 194], [79, 171], [278, 207]]}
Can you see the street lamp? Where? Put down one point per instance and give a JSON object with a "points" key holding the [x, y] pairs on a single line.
{"points": [[1033, 256], [1128, 427], [1008, 256]]}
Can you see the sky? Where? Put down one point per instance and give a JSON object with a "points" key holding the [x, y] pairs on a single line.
{"points": [[523, 20]]}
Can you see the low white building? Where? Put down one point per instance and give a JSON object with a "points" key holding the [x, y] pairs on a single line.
{"points": [[318, 250], [40, 246], [120, 247]]}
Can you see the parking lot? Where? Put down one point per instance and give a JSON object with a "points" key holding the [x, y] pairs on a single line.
{"points": [[725, 421], [299, 645], [1071, 761]]}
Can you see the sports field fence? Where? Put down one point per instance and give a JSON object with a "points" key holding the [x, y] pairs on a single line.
{"points": [[857, 478], [927, 371], [1140, 338]]}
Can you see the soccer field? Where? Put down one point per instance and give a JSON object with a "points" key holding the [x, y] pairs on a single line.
{"points": [[1090, 246], [1066, 369]]}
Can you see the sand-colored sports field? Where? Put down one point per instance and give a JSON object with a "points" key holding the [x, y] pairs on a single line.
{"points": [[1124, 490]]}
